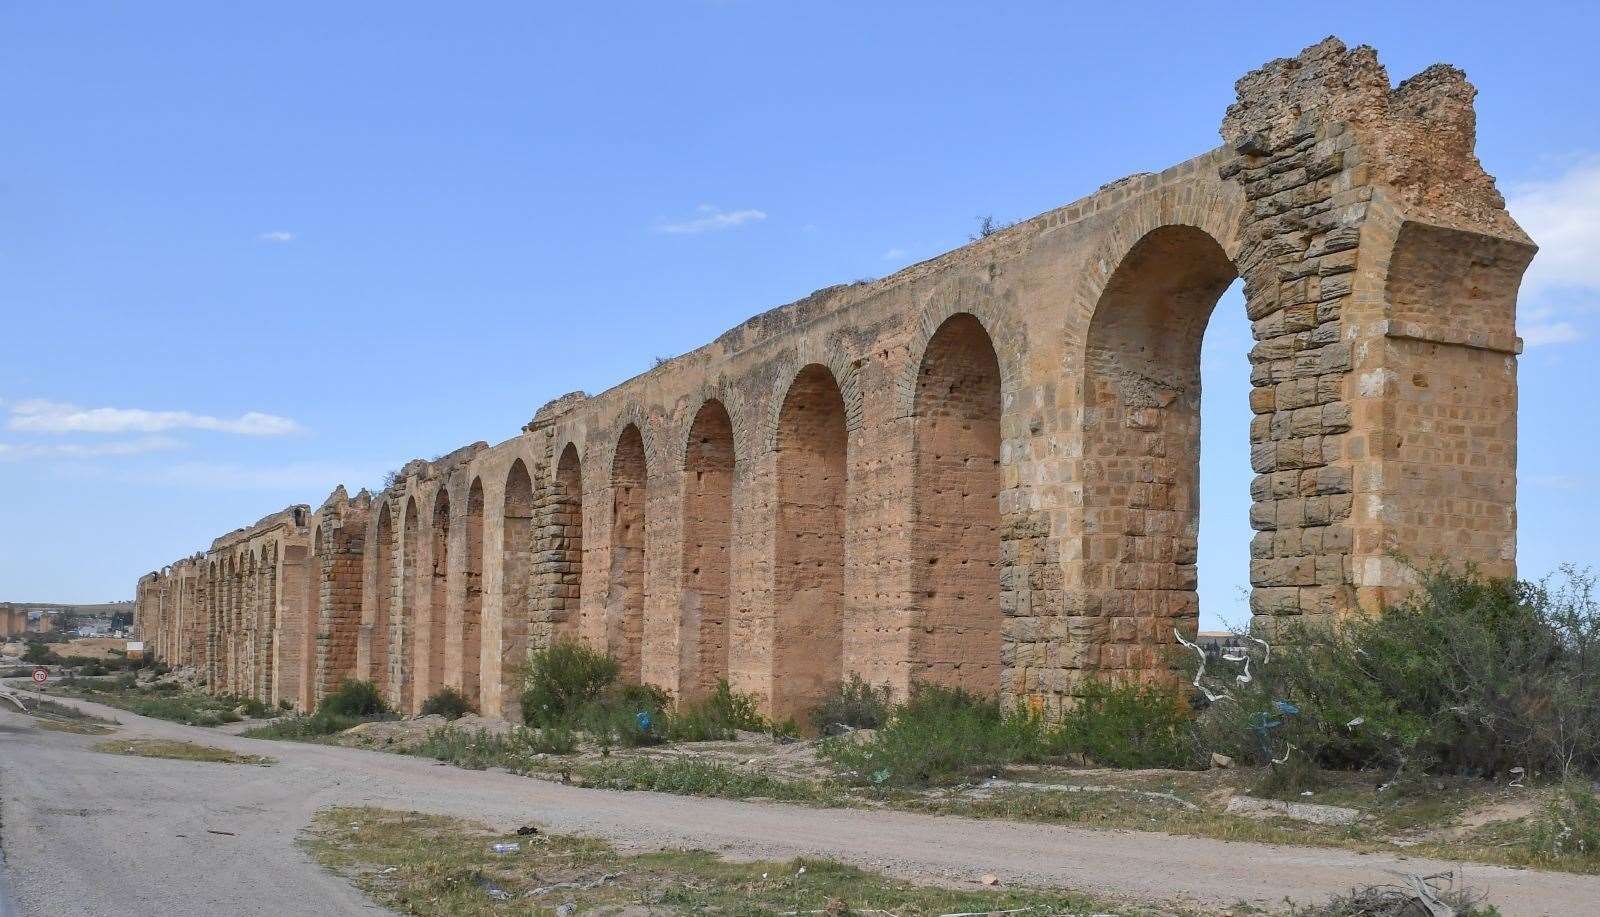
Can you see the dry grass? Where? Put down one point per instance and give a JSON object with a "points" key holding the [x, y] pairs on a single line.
{"points": [[433, 865], [179, 751], [82, 729]]}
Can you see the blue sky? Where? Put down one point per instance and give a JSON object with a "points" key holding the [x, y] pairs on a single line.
{"points": [[287, 245]]}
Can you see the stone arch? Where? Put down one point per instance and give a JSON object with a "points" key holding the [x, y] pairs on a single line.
{"points": [[471, 637], [213, 624], [809, 563], [706, 590], [433, 650], [567, 543], [380, 605], [1216, 213], [312, 578], [956, 524], [249, 635], [653, 425], [1008, 339], [412, 604], [1141, 447], [516, 603], [845, 379], [625, 598]]}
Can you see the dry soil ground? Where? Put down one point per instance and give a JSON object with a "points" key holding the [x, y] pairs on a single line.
{"points": [[86, 833]]}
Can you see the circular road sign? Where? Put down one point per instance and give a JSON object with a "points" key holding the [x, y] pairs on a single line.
{"points": [[41, 675]]}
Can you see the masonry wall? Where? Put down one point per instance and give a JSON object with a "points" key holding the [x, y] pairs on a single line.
{"points": [[981, 470]]}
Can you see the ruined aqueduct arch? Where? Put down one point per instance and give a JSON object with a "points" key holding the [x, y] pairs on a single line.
{"points": [[980, 470]]}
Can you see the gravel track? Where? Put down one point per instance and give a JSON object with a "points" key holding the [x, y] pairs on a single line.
{"points": [[91, 834]]}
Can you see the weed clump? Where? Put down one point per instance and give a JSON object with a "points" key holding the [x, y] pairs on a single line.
{"points": [[717, 717], [688, 777], [305, 726], [1569, 826], [354, 698], [516, 750], [856, 704], [447, 702], [940, 736], [1130, 725], [562, 679]]}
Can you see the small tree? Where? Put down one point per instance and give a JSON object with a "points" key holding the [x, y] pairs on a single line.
{"points": [[562, 678], [39, 654]]}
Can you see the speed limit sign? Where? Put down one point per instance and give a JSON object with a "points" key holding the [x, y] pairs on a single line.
{"points": [[40, 675]]}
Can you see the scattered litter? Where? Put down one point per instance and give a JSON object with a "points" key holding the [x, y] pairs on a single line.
{"points": [[505, 847], [215, 831], [527, 830], [567, 909], [489, 887], [1355, 722], [1517, 774], [389, 870], [1200, 673]]}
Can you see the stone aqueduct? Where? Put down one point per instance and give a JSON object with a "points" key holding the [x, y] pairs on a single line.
{"points": [[981, 470]]}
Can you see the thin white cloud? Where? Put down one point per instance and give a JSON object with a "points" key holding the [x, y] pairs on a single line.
{"points": [[12, 452], [55, 417], [276, 235], [1562, 214], [710, 218], [1540, 334], [894, 254], [1554, 481]]}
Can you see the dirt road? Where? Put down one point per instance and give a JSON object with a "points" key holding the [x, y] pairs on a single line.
{"points": [[92, 834]]}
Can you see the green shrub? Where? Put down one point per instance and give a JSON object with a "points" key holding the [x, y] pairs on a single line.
{"points": [[1128, 725], [562, 679], [354, 698], [940, 736], [251, 706], [717, 716], [476, 749], [305, 726], [40, 654], [1570, 825], [856, 704], [626, 715], [1470, 675], [448, 703], [688, 777]]}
